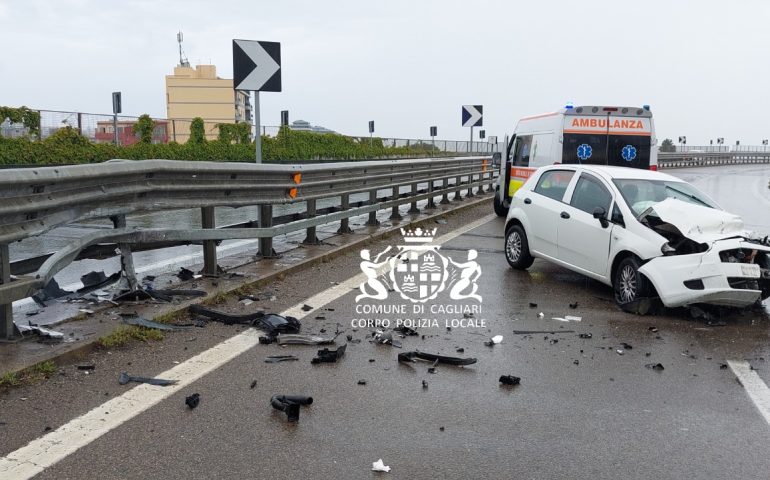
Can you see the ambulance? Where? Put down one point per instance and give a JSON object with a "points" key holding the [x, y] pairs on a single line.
{"points": [[620, 136]]}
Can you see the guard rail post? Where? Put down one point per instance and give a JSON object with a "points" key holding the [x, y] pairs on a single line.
{"points": [[445, 198], [311, 238], [395, 214], [470, 188], [126, 258], [431, 203], [458, 194], [372, 221], [345, 222], [209, 246], [266, 221], [6, 309], [413, 208]]}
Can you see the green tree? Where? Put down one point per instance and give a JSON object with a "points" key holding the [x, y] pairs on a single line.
{"points": [[144, 128], [234, 132], [197, 131], [67, 136], [667, 145]]}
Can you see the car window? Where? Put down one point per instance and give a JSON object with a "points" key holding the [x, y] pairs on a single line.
{"points": [[641, 194], [553, 183], [521, 154], [589, 194], [617, 216]]}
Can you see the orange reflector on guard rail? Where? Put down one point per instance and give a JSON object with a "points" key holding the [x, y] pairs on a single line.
{"points": [[484, 165], [293, 192], [296, 177]]}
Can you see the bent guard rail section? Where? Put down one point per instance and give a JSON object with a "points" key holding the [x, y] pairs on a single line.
{"points": [[36, 200]]}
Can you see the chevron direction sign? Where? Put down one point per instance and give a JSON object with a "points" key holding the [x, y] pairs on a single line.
{"points": [[256, 66], [473, 115]]}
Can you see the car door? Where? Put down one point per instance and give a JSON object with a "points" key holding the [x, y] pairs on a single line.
{"points": [[542, 206], [582, 240]]}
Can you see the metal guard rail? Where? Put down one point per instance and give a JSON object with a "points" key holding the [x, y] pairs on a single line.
{"points": [[33, 201], [710, 159]]}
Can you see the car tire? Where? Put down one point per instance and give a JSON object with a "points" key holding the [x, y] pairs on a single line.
{"points": [[517, 248], [500, 209], [632, 289]]}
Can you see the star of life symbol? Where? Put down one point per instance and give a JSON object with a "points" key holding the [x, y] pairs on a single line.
{"points": [[584, 151], [418, 271], [629, 153]]}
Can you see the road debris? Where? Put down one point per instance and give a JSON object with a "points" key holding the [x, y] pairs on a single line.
{"points": [[96, 281], [379, 466], [329, 356], [619, 352], [496, 340], [626, 346], [424, 384], [253, 384], [302, 339], [540, 315], [40, 331], [306, 308], [126, 378], [411, 357], [532, 305], [655, 366], [534, 332], [271, 323], [652, 329], [568, 318], [185, 274], [573, 305], [51, 291], [193, 400], [509, 380], [280, 358], [290, 404], [385, 338], [362, 382], [722, 366], [86, 367], [586, 335], [406, 331]]}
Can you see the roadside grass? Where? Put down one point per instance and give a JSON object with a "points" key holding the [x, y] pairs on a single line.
{"points": [[123, 335], [34, 374], [216, 299]]}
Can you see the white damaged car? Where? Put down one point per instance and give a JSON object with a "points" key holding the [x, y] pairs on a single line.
{"points": [[647, 234]]}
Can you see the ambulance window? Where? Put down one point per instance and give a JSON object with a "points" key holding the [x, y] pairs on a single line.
{"points": [[523, 145]]}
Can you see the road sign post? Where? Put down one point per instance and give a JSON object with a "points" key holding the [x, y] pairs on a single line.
{"points": [[371, 131], [472, 116], [117, 107], [433, 133], [257, 68]]}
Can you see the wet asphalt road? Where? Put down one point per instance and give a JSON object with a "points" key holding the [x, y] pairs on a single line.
{"points": [[606, 416]]}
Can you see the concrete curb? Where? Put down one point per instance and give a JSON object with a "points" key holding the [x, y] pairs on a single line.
{"points": [[81, 350]]}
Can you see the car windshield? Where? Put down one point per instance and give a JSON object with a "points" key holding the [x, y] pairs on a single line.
{"points": [[641, 194]]}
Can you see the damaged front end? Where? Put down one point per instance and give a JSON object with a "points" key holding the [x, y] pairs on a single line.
{"points": [[708, 257]]}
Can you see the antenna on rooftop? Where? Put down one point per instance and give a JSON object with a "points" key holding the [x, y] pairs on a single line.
{"points": [[183, 62]]}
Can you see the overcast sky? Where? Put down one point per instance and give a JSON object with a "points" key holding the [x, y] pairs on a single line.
{"points": [[701, 65]]}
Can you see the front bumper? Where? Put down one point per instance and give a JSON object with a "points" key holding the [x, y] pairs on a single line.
{"points": [[668, 274]]}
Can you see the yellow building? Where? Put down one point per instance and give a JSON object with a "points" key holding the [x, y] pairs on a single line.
{"points": [[198, 92]]}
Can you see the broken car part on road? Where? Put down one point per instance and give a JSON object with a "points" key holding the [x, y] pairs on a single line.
{"points": [[330, 356], [510, 380], [271, 323], [290, 404], [412, 357], [126, 378], [301, 339]]}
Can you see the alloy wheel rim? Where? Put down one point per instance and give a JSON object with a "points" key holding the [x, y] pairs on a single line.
{"points": [[514, 246], [627, 284]]}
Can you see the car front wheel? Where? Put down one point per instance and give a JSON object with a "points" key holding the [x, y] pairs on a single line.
{"points": [[632, 289], [517, 248]]}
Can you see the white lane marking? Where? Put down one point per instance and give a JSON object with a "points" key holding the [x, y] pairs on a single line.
{"points": [[49, 449], [755, 387]]}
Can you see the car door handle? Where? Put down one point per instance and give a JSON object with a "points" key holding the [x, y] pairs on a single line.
{"points": [[527, 201], [564, 215]]}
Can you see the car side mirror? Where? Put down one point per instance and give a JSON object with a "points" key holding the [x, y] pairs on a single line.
{"points": [[601, 214]]}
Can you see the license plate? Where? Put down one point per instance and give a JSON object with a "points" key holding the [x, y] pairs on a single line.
{"points": [[750, 270]]}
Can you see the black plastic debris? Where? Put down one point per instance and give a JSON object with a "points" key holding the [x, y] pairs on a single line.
{"points": [[143, 322], [290, 404], [411, 357], [460, 350], [49, 292], [722, 366], [266, 340], [253, 384], [586, 335], [329, 356], [385, 338], [167, 295], [534, 332], [126, 378], [424, 384], [432, 370], [371, 360], [362, 382], [652, 329], [271, 323], [509, 380], [573, 305], [96, 280], [655, 366], [149, 278], [306, 308], [185, 274], [280, 358], [86, 367], [406, 331], [626, 346], [532, 305], [193, 400], [576, 362]]}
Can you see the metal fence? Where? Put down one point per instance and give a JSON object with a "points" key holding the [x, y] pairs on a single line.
{"points": [[36, 200], [101, 128], [710, 159]]}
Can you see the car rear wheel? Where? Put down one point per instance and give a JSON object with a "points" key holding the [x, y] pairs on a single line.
{"points": [[517, 248], [498, 205], [632, 289]]}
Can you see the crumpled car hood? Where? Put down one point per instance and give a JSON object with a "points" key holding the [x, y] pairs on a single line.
{"points": [[698, 223]]}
